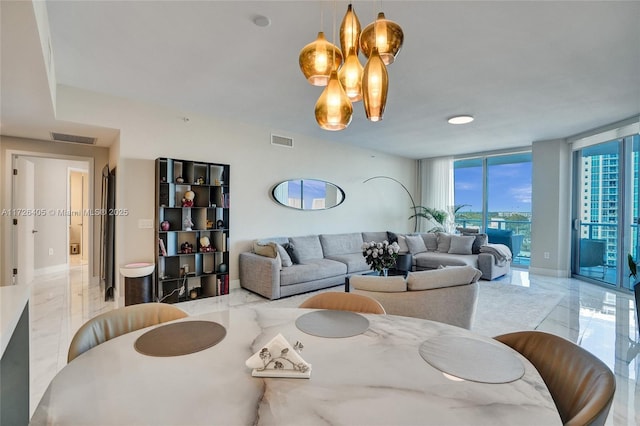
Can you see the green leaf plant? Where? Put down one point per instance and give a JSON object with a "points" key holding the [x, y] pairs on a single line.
{"points": [[437, 216]]}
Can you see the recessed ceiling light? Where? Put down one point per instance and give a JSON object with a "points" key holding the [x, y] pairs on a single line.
{"points": [[460, 119], [262, 21]]}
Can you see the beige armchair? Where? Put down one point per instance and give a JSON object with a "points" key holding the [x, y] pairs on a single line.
{"points": [[447, 295], [118, 322]]}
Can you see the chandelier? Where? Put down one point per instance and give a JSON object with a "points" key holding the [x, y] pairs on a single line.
{"points": [[340, 70]]}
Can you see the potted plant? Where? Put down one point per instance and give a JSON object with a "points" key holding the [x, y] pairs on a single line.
{"points": [[443, 219], [633, 272]]}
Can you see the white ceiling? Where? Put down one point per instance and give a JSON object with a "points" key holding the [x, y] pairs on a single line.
{"points": [[527, 71]]}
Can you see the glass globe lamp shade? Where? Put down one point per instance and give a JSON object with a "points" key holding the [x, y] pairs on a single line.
{"points": [[350, 31], [317, 59], [333, 109], [384, 34], [375, 84], [350, 76]]}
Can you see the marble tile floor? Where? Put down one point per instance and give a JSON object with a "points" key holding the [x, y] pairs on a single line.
{"points": [[599, 319]]}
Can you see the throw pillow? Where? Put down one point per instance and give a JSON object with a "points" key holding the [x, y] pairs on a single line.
{"points": [[286, 259], [431, 241], [444, 242], [416, 244], [481, 240], [267, 250], [291, 252], [461, 244], [392, 237], [402, 242]]}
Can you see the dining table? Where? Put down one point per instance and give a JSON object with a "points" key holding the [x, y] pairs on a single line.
{"points": [[383, 370]]}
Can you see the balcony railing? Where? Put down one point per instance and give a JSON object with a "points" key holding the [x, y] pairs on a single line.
{"points": [[519, 227]]}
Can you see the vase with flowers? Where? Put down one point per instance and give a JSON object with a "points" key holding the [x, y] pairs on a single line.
{"points": [[380, 256]]}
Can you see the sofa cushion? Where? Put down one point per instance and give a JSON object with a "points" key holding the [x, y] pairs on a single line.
{"points": [[430, 240], [444, 242], [286, 259], [355, 262], [439, 278], [461, 244], [267, 250], [336, 244], [391, 284], [402, 242], [290, 248], [306, 248], [378, 237], [310, 270], [416, 244], [434, 259], [481, 240]]}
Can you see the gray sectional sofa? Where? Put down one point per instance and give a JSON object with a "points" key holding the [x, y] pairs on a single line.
{"points": [[294, 265]]}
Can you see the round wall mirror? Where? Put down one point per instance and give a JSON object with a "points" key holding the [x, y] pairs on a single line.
{"points": [[308, 194]]}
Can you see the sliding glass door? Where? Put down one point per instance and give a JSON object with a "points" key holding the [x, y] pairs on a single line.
{"points": [[606, 210]]}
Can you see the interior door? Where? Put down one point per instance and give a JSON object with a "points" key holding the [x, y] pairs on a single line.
{"points": [[24, 231]]}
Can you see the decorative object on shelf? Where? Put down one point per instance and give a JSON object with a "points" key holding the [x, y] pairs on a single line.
{"points": [[188, 199], [222, 268], [279, 359], [209, 223], [161, 247], [188, 224], [379, 41], [200, 181], [165, 225], [179, 179], [380, 256], [186, 248], [193, 294], [205, 245], [220, 224]]}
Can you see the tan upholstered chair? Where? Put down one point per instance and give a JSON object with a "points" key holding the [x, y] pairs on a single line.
{"points": [[580, 384], [344, 302], [118, 322]]}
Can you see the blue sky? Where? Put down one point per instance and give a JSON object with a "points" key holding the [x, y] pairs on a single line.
{"points": [[509, 187]]}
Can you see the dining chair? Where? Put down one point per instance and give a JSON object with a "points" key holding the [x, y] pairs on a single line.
{"points": [[344, 302], [118, 322], [581, 385]]}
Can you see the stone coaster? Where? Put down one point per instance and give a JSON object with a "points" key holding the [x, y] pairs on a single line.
{"points": [[472, 359], [329, 323], [180, 338]]}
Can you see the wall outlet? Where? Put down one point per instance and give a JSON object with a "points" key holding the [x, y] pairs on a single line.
{"points": [[50, 252], [546, 255]]}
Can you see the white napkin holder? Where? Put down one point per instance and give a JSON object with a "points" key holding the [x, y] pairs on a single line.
{"points": [[279, 359]]}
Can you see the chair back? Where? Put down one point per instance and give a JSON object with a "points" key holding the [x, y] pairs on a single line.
{"points": [[581, 385], [344, 302], [118, 322]]}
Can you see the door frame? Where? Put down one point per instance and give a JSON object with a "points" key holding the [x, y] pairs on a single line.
{"points": [[10, 257]]}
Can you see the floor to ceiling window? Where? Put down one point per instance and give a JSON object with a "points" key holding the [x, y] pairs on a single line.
{"points": [[606, 210], [495, 192]]}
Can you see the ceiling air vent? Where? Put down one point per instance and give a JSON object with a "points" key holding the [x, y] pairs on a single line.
{"points": [[281, 141], [62, 137]]}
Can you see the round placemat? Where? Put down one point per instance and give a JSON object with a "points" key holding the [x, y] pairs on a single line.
{"points": [[180, 338], [472, 359], [329, 323]]}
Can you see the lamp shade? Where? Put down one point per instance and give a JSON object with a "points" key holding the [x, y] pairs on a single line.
{"points": [[317, 59], [350, 31], [384, 34], [375, 84], [350, 76], [333, 109]]}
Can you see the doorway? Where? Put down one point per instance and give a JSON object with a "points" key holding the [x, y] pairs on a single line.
{"points": [[78, 206]]}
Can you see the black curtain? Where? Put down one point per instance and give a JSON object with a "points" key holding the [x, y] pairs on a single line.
{"points": [[108, 225]]}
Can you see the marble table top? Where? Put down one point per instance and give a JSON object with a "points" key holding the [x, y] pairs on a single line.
{"points": [[374, 378]]}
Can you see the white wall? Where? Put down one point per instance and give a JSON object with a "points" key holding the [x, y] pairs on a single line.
{"points": [[148, 132], [551, 208]]}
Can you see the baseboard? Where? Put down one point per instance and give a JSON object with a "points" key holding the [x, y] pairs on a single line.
{"points": [[556, 273]]}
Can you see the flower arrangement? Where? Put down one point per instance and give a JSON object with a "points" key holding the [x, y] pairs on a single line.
{"points": [[380, 256]]}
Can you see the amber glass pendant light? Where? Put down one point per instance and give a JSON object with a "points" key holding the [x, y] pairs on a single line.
{"points": [[350, 31], [350, 76], [318, 58], [375, 84], [384, 34], [334, 109]]}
